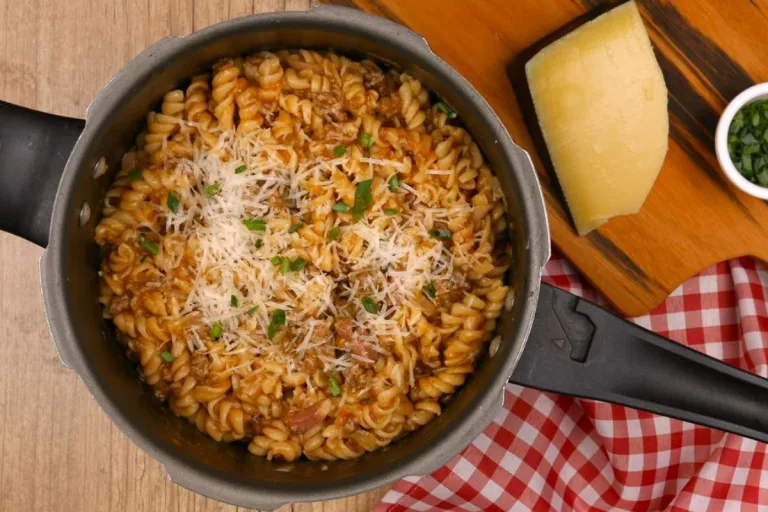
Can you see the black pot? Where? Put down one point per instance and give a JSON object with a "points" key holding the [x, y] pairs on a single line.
{"points": [[549, 339]]}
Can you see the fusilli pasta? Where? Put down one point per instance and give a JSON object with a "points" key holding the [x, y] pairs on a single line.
{"points": [[304, 253]]}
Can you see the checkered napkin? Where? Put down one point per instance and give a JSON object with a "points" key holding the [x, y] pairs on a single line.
{"points": [[550, 452]]}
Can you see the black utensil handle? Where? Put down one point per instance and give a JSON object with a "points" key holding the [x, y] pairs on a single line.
{"points": [[577, 348], [34, 148]]}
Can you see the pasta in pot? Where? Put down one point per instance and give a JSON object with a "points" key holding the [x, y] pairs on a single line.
{"points": [[303, 252]]}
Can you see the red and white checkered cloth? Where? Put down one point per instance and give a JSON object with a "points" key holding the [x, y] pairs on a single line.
{"points": [[550, 452]]}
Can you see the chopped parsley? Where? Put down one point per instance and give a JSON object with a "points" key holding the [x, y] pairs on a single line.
{"points": [[366, 140], [275, 323], [216, 331], [363, 199], [255, 224], [430, 290], [341, 207], [445, 109], [149, 246], [442, 234], [173, 202], [748, 142], [369, 305], [334, 385], [211, 190], [394, 183], [298, 264]]}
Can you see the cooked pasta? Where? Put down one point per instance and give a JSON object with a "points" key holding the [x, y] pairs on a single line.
{"points": [[305, 253]]}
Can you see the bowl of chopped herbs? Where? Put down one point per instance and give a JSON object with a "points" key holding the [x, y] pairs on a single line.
{"points": [[741, 141]]}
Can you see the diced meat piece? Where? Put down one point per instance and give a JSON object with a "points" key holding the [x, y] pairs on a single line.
{"points": [[199, 366], [299, 421], [391, 83], [311, 363], [389, 106], [344, 329], [346, 333], [328, 105], [373, 77], [363, 350]]}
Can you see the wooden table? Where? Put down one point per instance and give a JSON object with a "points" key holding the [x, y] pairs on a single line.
{"points": [[58, 450]]}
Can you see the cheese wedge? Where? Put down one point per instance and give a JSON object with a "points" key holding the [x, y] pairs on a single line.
{"points": [[601, 102]]}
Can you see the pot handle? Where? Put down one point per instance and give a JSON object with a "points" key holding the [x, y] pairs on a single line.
{"points": [[34, 148], [577, 348]]}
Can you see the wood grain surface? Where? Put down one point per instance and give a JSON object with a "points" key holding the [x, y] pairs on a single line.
{"points": [[58, 451], [709, 51]]}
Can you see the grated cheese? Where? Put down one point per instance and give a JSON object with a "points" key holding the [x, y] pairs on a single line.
{"points": [[398, 257]]}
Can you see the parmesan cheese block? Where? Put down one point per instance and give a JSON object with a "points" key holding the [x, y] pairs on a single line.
{"points": [[601, 102]]}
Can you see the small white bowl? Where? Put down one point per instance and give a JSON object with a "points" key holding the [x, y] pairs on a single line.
{"points": [[756, 92]]}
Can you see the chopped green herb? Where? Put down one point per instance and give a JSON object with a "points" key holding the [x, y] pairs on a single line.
{"points": [[390, 211], [275, 323], [285, 266], [135, 175], [341, 207], [216, 331], [363, 199], [149, 246], [259, 243], [334, 385], [737, 124], [252, 310], [748, 138], [394, 183], [233, 301], [430, 290], [295, 227], [746, 163], [211, 190], [369, 305], [143, 259], [241, 169], [366, 140], [445, 109], [339, 150], [334, 233], [298, 264], [172, 202], [762, 178], [255, 224], [442, 234], [748, 142], [167, 357], [277, 260]]}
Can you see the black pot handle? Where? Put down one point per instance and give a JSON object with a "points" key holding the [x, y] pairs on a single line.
{"points": [[577, 348], [34, 148]]}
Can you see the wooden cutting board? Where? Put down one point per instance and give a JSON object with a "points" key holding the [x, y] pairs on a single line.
{"points": [[709, 51]]}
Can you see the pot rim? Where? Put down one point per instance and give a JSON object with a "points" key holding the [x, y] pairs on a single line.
{"points": [[53, 276]]}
